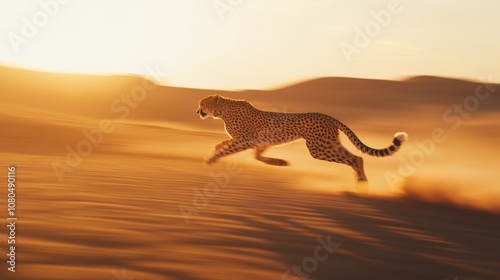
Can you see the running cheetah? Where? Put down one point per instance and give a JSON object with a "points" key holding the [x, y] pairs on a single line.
{"points": [[250, 128]]}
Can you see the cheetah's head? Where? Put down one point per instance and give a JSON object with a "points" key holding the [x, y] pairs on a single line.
{"points": [[208, 107]]}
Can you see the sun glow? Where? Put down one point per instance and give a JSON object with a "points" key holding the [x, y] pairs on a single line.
{"points": [[251, 44]]}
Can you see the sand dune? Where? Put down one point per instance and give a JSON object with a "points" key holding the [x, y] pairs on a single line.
{"points": [[141, 204]]}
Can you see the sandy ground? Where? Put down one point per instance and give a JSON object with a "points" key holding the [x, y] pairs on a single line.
{"points": [[139, 203]]}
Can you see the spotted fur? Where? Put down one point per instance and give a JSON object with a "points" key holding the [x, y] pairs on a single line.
{"points": [[250, 128]]}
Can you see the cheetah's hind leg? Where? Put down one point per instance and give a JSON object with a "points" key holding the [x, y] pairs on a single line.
{"points": [[268, 160], [335, 152]]}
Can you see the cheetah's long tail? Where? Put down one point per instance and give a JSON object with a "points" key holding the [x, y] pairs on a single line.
{"points": [[399, 138]]}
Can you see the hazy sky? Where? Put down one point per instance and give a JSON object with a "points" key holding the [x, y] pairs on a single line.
{"points": [[236, 44]]}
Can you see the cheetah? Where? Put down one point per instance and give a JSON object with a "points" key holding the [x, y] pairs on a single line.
{"points": [[251, 128]]}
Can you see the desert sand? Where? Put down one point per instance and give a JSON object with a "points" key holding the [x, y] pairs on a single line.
{"points": [[138, 203]]}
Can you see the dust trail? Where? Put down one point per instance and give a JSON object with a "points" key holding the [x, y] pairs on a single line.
{"points": [[462, 193]]}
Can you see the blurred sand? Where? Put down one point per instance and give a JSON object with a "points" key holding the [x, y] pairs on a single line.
{"points": [[119, 207]]}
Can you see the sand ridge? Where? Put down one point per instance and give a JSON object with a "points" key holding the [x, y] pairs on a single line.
{"points": [[116, 210]]}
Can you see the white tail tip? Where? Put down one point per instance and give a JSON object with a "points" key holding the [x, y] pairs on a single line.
{"points": [[401, 136]]}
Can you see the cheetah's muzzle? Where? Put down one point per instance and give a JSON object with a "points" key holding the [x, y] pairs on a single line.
{"points": [[201, 113]]}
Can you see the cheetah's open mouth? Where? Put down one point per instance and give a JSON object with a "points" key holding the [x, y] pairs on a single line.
{"points": [[202, 114]]}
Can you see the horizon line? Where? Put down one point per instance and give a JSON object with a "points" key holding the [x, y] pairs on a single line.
{"points": [[273, 88]]}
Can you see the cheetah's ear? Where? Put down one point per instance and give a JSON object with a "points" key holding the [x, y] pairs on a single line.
{"points": [[217, 98]]}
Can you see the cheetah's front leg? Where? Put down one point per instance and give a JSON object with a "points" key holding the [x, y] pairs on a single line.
{"points": [[228, 147]]}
